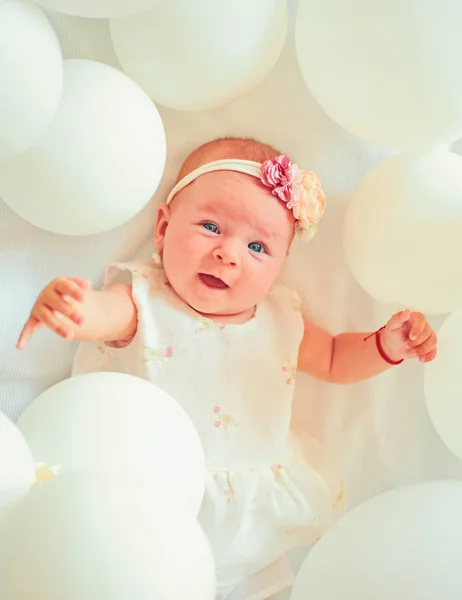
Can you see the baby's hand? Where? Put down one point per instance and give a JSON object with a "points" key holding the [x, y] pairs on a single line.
{"points": [[409, 335], [59, 299]]}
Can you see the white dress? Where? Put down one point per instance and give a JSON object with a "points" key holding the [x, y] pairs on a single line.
{"points": [[268, 490]]}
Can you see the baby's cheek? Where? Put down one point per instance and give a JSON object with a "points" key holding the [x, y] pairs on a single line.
{"points": [[272, 273], [179, 242], [261, 280], [198, 245]]}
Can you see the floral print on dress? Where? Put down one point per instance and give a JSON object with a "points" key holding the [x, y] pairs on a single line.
{"points": [[222, 419], [44, 472], [297, 304], [157, 355], [339, 498], [208, 325], [277, 469], [139, 276], [103, 349], [289, 370], [229, 492]]}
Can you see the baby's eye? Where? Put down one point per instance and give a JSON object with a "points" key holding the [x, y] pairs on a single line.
{"points": [[256, 247], [210, 227]]}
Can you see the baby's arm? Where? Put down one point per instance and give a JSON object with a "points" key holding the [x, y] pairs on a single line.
{"points": [[345, 358], [69, 308]]}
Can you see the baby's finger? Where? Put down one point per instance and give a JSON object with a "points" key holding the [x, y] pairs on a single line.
{"points": [[425, 348], [49, 318], [85, 284], [417, 325], [64, 305], [32, 325], [66, 287], [428, 357], [398, 320], [423, 337]]}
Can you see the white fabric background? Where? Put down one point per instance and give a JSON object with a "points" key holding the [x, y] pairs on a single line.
{"points": [[379, 430]]}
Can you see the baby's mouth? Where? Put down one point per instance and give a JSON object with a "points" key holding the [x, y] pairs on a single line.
{"points": [[212, 282]]}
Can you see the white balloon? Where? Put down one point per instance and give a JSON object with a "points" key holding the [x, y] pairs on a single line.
{"points": [[443, 384], [201, 54], [98, 163], [101, 9], [403, 231], [102, 420], [404, 544], [31, 76], [17, 468], [105, 536], [388, 72]]}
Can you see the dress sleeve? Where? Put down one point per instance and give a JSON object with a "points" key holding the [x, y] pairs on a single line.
{"points": [[112, 356]]}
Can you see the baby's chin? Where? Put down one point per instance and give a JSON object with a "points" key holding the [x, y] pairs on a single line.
{"points": [[209, 308], [225, 315], [214, 305]]}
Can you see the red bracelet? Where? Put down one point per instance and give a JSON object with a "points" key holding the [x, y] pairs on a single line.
{"points": [[381, 351]]}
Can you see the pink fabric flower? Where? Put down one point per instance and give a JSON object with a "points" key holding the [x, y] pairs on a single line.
{"points": [[216, 409], [300, 190], [283, 177]]}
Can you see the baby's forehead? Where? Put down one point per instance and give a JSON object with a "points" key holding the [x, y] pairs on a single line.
{"points": [[242, 198], [227, 190], [227, 185]]}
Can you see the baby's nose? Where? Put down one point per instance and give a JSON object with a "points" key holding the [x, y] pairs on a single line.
{"points": [[227, 256]]}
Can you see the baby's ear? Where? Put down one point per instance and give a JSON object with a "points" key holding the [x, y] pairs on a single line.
{"points": [[162, 220]]}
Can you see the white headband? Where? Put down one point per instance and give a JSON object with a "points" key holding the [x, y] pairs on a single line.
{"points": [[300, 190], [248, 167]]}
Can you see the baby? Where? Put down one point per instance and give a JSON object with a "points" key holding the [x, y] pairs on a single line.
{"points": [[207, 322]]}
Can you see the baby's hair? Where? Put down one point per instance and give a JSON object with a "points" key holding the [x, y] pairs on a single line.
{"points": [[228, 147]]}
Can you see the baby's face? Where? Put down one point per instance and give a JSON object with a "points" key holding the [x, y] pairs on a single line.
{"points": [[224, 240]]}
